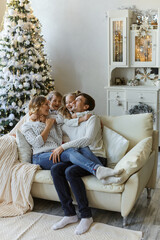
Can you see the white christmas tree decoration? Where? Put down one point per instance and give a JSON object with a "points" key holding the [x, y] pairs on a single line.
{"points": [[145, 74], [144, 28], [24, 69]]}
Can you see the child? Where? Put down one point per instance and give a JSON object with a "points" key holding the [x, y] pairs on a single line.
{"points": [[55, 99], [66, 110]]}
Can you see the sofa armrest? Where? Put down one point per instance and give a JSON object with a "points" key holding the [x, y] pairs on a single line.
{"points": [[152, 181], [135, 185], [135, 159]]}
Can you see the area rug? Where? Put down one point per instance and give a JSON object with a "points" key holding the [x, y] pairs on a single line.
{"points": [[37, 226]]}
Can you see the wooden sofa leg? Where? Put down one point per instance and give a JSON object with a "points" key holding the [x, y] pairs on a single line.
{"points": [[124, 221], [148, 193]]}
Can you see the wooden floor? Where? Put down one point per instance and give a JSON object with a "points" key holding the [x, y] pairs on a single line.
{"points": [[145, 216]]}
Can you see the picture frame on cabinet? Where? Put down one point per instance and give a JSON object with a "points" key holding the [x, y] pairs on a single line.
{"points": [[118, 81]]}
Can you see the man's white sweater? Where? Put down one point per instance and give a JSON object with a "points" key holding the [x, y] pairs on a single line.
{"points": [[88, 133]]}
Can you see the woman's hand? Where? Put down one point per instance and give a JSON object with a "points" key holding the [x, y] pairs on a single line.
{"points": [[55, 155], [50, 122]]}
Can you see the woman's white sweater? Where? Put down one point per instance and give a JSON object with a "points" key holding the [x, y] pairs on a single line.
{"points": [[32, 132]]}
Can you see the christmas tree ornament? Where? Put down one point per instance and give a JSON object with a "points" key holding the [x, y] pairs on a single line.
{"points": [[20, 39], [11, 116], [13, 104], [20, 22], [11, 12]]}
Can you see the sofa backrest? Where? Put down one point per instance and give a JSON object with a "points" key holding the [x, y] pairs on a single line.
{"points": [[133, 127]]}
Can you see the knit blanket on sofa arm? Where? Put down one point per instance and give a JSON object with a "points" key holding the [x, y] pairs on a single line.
{"points": [[15, 180]]}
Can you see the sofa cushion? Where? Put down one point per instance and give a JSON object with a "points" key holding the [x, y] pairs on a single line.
{"points": [[115, 146], [24, 148], [135, 158], [43, 176], [91, 182], [133, 127]]}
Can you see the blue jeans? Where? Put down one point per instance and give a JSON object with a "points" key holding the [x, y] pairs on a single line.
{"points": [[66, 175], [82, 157], [42, 159]]}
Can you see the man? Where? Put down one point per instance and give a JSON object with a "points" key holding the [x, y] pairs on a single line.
{"points": [[89, 134]]}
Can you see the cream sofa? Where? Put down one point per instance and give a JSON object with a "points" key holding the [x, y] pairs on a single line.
{"points": [[120, 198]]}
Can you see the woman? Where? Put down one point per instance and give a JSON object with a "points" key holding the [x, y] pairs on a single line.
{"points": [[42, 133]]}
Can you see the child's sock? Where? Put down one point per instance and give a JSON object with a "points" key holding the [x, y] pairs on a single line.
{"points": [[83, 226], [104, 172], [111, 180], [65, 221]]}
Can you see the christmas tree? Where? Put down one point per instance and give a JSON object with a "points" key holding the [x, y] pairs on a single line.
{"points": [[24, 69]]}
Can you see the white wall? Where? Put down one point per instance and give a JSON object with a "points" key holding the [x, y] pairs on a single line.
{"points": [[2, 10], [76, 42]]}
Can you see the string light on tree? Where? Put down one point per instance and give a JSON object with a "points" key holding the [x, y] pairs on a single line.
{"points": [[24, 68]]}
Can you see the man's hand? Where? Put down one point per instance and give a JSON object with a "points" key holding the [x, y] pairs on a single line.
{"points": [[84, 118], [87, 116], [55, 155], [74, 115]]}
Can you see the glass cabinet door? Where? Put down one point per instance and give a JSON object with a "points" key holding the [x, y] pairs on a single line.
{"points": [[118, 41], [143, 49]]}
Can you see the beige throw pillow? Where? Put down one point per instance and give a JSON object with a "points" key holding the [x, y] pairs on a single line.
{"points": [[133, 127], [24, 148], [115, 146], [135, 158]]}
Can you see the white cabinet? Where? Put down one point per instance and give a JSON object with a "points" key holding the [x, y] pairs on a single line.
{"points": [[121, 99], [133, 57]]}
